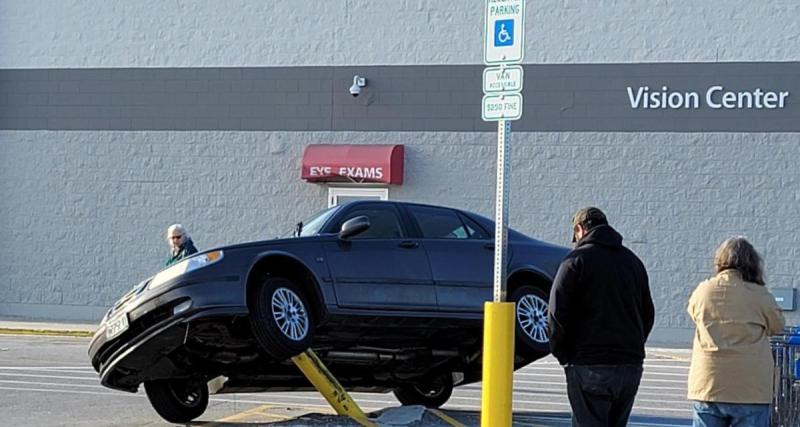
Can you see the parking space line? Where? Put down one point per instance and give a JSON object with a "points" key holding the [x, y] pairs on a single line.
{"points": [[49, 368], [250, 412], [60, 377], [50, 390], [53, 384]]}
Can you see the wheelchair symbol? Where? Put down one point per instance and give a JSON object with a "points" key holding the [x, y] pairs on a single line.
{"points": [[504, 32], [503, 36]]}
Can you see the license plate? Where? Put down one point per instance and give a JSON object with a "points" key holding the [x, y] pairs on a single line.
{"points": [[117, 326]]}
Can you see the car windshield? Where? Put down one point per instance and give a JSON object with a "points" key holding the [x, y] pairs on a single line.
{"points": [[312, 225]]}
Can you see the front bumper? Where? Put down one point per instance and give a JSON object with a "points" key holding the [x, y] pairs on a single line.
{"points": [[155, 331]]}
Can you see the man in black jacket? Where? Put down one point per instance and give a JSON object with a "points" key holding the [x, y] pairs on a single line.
{"points": [[601, 313]]}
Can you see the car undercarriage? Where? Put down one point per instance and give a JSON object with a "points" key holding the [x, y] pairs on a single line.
{"points": [[364, 353]]}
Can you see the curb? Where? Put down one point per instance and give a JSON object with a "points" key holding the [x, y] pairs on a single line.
{"points": [[46, 332]]}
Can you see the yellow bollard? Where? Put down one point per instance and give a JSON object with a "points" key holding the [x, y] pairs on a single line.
{"points": [[498, 364], [329, 387]]}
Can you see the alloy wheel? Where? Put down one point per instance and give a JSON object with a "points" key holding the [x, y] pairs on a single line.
{"points": [[532, 317], [290, 314]]}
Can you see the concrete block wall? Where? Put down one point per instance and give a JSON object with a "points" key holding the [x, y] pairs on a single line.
{"points": [[85, 211], [207, 33], [566, 97], [88, 210]]}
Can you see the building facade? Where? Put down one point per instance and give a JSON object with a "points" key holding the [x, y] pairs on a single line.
{"points": [[680, 119]]}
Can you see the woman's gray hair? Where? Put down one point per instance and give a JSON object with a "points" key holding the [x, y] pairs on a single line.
{"points": [[737, 253], [180, 229]]}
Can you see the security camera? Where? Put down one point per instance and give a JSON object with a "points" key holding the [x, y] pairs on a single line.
{"points": [[358, 83], [355, 90]]}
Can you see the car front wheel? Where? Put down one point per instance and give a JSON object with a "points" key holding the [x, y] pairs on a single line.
{"points": [[281, 318], [177, 401], [431, 393], [530, 317]]}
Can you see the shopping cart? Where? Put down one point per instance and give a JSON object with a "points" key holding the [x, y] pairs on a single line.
{"points": [[786, 395]]}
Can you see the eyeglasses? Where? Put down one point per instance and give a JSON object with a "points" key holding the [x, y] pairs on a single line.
{"points": [[175, 237]]}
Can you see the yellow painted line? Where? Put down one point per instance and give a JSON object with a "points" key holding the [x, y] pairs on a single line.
{"points": [[45, 332], [241, 416], [447, 418]]}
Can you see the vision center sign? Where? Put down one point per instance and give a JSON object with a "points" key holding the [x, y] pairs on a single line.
{"points": [[715, 97], [504, 34]]}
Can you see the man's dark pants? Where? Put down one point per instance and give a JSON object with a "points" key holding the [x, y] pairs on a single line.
{"points": [[602, 395]]}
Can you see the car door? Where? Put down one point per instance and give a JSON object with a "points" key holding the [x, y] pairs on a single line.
{"points": [[461, 254], [382, 267]]}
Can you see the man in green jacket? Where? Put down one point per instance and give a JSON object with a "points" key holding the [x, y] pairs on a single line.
{"points": [[180, 244]]}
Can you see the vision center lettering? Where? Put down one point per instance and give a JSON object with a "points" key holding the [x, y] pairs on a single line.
{"points": [[715, 97], [350, 172]]}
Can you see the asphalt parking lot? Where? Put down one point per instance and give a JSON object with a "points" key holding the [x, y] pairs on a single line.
{"points": [[47, 381]]}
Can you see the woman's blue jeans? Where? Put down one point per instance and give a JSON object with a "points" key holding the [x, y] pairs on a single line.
{"points": [[717, 414]]}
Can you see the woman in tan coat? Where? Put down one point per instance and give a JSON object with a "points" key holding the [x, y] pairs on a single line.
{"points": [[731, 374]]}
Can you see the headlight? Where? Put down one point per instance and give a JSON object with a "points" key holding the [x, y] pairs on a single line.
{"points": [[185, 266]]}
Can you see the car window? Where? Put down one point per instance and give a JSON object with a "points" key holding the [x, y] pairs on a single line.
{"points": [[384, 223], [475, 230], [312, 225], [438, 223]]}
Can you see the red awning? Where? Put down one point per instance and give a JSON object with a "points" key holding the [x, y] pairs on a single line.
{"points": [[353, 163]]}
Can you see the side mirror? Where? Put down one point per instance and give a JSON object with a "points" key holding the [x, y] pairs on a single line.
{"points": [[354, 226]]}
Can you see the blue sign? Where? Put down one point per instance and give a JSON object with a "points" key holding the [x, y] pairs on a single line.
{"points": [[504, 32]]}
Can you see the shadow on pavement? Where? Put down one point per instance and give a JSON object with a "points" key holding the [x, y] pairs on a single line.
{"points": [[417, 416]]}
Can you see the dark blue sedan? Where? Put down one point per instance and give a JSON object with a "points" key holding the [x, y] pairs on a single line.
{"points": [[389, 295]]}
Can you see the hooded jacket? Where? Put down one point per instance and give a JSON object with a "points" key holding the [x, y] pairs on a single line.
{"points": [[186, 249], [601, 310]]}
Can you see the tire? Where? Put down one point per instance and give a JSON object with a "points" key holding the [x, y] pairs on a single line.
{"points": [[429, 393], [530, 318], [281, 318], [177, 401]]}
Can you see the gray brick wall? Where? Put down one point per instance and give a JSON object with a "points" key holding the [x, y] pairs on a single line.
{"points": [[566, 97], [85, 212], [207, 33]]}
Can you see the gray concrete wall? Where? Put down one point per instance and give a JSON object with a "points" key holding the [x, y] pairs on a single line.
{"points": [[566, 97], [155, 33], [85, 212]]}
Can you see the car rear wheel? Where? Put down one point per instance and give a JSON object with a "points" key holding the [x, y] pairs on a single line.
{"points": [[177, 401], [281, 318], [431, 393], [530, 318]]}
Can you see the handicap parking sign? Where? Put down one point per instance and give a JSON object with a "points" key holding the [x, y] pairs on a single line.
{"points": [[504, 32]]}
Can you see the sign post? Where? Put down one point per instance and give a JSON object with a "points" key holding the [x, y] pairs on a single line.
{"points": [[504, 37]]}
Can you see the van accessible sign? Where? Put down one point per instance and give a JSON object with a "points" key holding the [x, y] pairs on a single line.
{"points": [[502, 79], [715, 97]]}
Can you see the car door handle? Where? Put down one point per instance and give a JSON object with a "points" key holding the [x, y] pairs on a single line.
{"points": [[409, 245], [489, 246]]}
